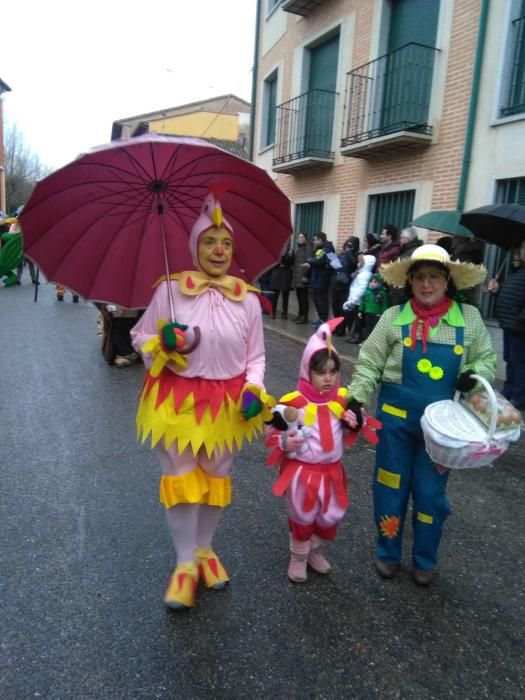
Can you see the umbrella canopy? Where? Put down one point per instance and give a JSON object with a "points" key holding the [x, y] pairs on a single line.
{"points": [[444, 221], [502, 224], [114, 221]]}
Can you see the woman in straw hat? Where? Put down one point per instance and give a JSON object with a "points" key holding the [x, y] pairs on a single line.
{"points": [[418, 353]]}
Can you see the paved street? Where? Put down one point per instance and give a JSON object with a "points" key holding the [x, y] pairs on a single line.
{"points": [[85, 556]]}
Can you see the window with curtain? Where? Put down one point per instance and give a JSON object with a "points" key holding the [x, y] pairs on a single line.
{"points": [[269, 105], [309, 218], [514, 99], [395, 208]]}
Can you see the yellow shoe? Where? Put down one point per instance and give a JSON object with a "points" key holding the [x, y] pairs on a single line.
{"points": [[182, 587], [211, 571]]}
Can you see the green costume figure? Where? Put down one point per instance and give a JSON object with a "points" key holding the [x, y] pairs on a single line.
{"points": [[373, 302], [11, 255]]}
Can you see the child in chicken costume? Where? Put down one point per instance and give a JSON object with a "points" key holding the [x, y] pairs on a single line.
{"points": [[203, 395], [312, 478]]}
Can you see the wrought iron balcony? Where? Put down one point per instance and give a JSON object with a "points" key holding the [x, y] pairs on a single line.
{"points": [[301, 7], [387, 103], [304, 131]]}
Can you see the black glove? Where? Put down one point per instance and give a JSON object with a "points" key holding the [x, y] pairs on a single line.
{"points": [[466, 382], [355, 407]]}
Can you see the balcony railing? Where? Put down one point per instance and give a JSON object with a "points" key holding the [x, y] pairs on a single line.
{"points": [[301, 7], [304, 129], [389, 95]]}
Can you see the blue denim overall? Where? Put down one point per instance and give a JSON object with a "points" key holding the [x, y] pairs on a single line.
{"points": [[403, 467]]}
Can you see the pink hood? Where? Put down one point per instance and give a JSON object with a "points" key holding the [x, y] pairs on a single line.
{"points": [[210, 217], [318, 341]]}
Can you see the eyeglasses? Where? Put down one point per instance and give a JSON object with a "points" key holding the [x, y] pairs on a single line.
{"points": [[432, 277]]}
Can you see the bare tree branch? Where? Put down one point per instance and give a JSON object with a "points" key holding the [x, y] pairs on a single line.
{"points": [[22, 168]]}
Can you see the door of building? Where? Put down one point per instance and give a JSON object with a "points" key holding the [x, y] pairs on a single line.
{"points": [[408, 69], [322, 83]]}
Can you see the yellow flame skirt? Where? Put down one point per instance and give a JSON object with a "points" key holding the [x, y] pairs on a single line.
{"points": [[196, 412]]}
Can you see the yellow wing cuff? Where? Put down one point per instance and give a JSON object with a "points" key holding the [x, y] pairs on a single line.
{"points": [[160, 357], [268, 401]]}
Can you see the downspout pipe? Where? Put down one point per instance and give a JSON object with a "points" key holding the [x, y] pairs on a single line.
{"points": [[254, 79], [473, 106]]}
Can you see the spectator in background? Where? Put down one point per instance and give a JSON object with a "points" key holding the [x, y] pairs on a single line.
{"points": [[357, 289], [510, 312], [301, 277], [371, 245], [373, 303], [466, 249], [116, 334], [281, 280], [446, 243], [341, 280], [264, 284], [320, 275], [408, 242], [390, 245]]}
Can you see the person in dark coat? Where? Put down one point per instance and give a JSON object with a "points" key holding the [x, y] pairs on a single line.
{"points": [[510, 312], [371, 245], [468, 250], [301, 277], [408, 242], [281, 280], [446, 243], [265, 286], [390, 245], [320, 275], [342, 278]]}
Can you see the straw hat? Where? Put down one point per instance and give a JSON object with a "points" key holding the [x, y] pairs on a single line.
{"points": [[463, 274]]}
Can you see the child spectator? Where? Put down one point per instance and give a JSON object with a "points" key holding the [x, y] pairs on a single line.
{"points": [[373, 302], [313, 480], [357, 289]]}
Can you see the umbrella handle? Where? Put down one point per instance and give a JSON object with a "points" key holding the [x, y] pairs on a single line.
{"points": [[196, 341], [500, 270]]}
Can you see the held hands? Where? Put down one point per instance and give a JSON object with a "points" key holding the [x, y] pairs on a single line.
{"points": [[353, 416], [348, 306]]}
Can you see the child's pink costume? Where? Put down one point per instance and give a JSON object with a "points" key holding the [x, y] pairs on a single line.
{"points": [[191, 404], [314, 485]]}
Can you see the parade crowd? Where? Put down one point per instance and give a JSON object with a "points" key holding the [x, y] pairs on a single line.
{"points": [[411, 306]]}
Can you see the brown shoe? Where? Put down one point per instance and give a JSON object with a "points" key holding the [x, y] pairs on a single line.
{"points": [[423, 578], [386, 569]]}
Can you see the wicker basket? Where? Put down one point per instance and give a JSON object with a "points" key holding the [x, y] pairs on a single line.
{"points": [[454, 438]]}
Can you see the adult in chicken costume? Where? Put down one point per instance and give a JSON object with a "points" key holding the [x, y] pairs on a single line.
{"points": [[203, 395]]}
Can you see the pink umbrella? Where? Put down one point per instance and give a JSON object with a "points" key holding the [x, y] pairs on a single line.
{"points": [[114, 221]]}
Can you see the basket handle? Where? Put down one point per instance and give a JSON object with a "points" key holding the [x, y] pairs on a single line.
{"points": [[493, 402]]}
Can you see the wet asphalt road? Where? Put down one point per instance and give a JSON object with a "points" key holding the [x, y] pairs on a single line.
{"points": [[85, 556]]}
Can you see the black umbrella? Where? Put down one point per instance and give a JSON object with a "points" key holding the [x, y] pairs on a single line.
{"points": [[502, 224]]}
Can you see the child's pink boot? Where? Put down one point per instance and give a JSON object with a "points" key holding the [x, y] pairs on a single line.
{"points": [[298, 560], [316, 559]]}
